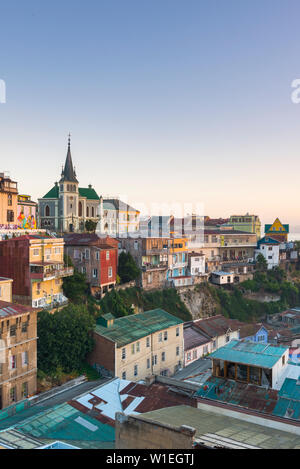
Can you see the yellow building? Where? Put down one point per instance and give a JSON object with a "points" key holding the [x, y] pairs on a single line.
{"points": [[36, 264], [277, 231], [139, 345], [8, 201], [6, 289]]}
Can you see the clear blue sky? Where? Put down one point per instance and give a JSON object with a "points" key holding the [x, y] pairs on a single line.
{"points": [[166, 100]]}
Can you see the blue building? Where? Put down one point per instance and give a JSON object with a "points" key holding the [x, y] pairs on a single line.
{"points": [[254, 333]]}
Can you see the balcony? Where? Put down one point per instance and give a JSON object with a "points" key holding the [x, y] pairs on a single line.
{"points": [[155, 251], [50, 301], [179, 265], [160, 266], [43, 273]]}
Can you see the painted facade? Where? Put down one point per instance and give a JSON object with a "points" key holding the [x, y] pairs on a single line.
{"points": [[36, 265], [277, 231], [269, 248], [247, 223], [26, 213], [8, 202]]}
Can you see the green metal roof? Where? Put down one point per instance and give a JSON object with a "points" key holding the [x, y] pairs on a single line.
{"points": [[250, 353], [52, 194], [89, 193], [131, 328]]}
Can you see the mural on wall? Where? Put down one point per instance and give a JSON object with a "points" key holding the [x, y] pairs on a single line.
{"points": [[26, 217]]}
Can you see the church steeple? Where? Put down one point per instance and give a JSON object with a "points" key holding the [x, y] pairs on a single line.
{"points": [[68, 174]]}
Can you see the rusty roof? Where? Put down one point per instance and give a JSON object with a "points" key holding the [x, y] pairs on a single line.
{"points": [[217, 325], [193, 337], [8, 309]]}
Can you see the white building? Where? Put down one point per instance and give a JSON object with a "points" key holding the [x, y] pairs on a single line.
{"points": [[269, 248], [196, 263], [222, 278]]}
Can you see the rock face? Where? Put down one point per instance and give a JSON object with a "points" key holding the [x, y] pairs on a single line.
{"points": [[199, 300]]}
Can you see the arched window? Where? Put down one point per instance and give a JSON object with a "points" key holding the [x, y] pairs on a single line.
{"points": [[92, 212], [87, 212], [80, 209], [47, 211]]}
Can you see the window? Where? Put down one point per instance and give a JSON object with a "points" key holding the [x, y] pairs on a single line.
{"points": [[154, 360], [10, 215], [24, 358], [135, 370], [163, 356], [9, 199], [227, 338], [107, 255], [36, 252], [205, 349], [124, 375], [160, 337], [123, 353], [137, 346], [95, 273], [13, 394], [166, 335], [283, 359], [148, 363], [87, 253], [83, 270], [177, 351], [214, 344], [148, 342], [97, 255], [47, 211], [109, 272], [13, 362], [132, 348], [194, 354], [189, 356], [177, 331], [13, 331], [87, 212]]}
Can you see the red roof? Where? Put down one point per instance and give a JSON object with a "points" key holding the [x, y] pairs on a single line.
{"points": [[8, 309], [216, 325]]}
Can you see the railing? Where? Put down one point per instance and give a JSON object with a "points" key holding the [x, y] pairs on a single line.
{"points": [[162, 265], [54, 273]]}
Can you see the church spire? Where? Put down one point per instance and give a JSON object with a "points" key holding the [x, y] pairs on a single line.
{"points": [[68, 174]]}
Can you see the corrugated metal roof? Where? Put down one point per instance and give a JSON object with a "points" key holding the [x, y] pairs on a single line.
{"points": [[131, 328], [250, 353]]}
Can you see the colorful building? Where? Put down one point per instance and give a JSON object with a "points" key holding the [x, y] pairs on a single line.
{"points": [[178, 262], [67, 207], [18, 351], [96, 258], [36, 265], [269, 248], [26, 213], [277, 231], [8, 202], [151, 256], [248, 223]]}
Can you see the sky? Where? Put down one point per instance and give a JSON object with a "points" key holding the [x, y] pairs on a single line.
{"points": [[167, 101]]}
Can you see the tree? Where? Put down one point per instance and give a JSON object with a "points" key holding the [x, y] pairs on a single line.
{"points": [[127, 268], [64, 338], [261, 263], [75, 287], [91, 226]]}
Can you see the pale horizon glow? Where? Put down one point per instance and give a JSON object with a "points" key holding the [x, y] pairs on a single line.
{"points": [[167, 101]]}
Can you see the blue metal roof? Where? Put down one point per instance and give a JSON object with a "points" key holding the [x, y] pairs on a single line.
{"points": [[250, 353]]}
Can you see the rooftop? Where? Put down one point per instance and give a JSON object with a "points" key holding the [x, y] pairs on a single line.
{"points": [[193, 337], [215, 429], [132, 328], [250, 353], [8, 309], [216, 325]]}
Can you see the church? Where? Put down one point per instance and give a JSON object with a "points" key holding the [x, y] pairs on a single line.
{"points": [[67, 207]]}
